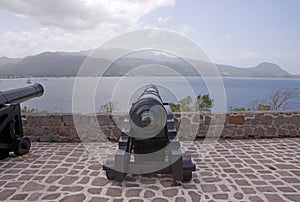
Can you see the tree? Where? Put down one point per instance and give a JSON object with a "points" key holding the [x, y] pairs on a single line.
{"points": [[175, 107], [186, 104], [263, 107], [239, 109], [201, 103], [109, 107], [279, 99]]}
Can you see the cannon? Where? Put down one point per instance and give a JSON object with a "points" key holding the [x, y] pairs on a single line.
{"points": [[11, 130], [148, 143]]}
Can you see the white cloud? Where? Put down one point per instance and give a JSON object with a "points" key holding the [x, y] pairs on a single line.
{"points": [[84, 14], [186, 29], [72, 25], [20, 44]]}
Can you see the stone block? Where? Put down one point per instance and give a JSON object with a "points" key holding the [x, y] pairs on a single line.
{"points": [[236, 120], [55, 120], [68, 120], [279, 120], [39, 131], [104, 119], [207, 120], [271, 131], [266, 120], [63, 131], [259, 132], [28, 121], [41, 120]]}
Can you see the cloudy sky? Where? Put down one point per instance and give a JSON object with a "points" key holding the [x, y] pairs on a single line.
{"points": [[242, 33]]}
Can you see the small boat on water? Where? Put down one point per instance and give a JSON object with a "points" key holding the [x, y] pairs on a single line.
{"points": [[28, 81]]}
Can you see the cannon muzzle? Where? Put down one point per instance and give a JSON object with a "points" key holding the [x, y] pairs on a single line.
{"points": [[19, 95], [148, 109]]}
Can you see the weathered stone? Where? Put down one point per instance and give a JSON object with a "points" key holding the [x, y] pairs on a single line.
{"points": [[248, 190], [60, 171], [51, 179], [170, 192], [274, 197], [238, 195], [230, 170], [147, 181], [100, 181], [220, 196], [236, 120], [266, 120], [266, 189], [52, 188], [271, 132], [180, 199], [286, 189], [255, 199], [242, 182], [72, 198], [67, 180], [98, 199], [292, 197], [116, 192], [168, 183], [94, 190], [51, 196], [149, 194], [259, 132], [291, 180], [279, 121], [19, 197], [159, 200], [194, 196], [73, 189], [208, 188], [68, 120], [136, 200], [133, 192], [55, 120], [33, 186], [41, 120], [13, 184]]}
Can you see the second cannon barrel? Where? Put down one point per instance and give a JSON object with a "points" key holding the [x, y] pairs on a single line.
{"points": [[19, 95]]}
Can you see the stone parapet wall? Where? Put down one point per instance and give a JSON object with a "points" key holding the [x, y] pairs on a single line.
{"points": [[103, 126]]}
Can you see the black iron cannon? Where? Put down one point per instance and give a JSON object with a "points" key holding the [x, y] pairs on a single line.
{"points": [[11, 130], [149, 142]]}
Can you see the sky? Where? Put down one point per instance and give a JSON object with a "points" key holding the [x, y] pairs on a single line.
{"points": [[241, 33]]}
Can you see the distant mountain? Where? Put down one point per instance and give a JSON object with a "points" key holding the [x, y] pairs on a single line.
{"points": [[6, 60], [67, 64], [271, 69], [262, 70]]}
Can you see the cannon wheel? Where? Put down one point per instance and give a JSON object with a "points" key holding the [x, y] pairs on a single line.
{"points": [[4, 154], [187, 168], [187, 175], [115, 175], [110, 174], [22, 146]]}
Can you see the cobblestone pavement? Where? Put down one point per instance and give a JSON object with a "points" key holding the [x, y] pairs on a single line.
{"points": [[235, 170]]}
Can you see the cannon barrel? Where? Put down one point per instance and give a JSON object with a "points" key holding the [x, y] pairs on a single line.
{"points": [[19, 95], [149, 109]]}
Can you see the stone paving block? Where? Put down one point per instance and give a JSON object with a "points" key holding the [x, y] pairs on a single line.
{"points": [[235, 170]]}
